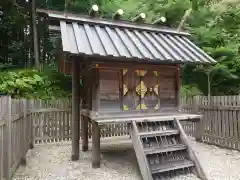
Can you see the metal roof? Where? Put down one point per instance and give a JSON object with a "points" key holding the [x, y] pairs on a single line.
{"points": [[107, 39]]}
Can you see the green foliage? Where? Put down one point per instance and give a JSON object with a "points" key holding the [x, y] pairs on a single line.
{"points": [[32, 83], [190, 90], [217, 32], [12, 19], [214, 24]]}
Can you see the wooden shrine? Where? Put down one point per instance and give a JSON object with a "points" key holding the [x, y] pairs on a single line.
{"points": [[130, 73]]}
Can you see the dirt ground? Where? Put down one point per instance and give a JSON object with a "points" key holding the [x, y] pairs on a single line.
{"points": [[118, 162]]}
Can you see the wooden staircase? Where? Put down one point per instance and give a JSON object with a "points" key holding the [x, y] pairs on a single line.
{"points": [[163, 150]]}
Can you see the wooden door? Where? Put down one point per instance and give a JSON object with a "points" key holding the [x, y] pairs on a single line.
{"points": [[140, 90], [130, 99], [147, 90]]}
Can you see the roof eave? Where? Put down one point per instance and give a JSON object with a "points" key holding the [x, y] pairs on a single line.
{"points": [[137, 60]]}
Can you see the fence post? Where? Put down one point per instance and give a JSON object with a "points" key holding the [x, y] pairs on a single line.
{"points": [[8, 141], [31, 136], [24, 150], [198, 132]]}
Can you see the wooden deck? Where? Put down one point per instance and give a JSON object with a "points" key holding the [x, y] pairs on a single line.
{"points": [[100, 119], [119, 117]]}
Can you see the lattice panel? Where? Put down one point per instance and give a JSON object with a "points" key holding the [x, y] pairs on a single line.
{"points": [[128, 90], [147, 90]]}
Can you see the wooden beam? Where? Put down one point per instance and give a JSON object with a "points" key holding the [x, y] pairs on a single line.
{"points": [[95, 145], [199, 124], [118, 14], [95, 126], [178, 87], [75, 108], [121, 65], [84, 130], [160, 20], [150, 118], [94, 10], [140, 18], [184, 18], [54, 28], [95, 90]]}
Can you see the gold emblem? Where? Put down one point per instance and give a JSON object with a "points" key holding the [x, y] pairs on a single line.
{"points": [[155, 73], [125, 89], [140, 72], [141, 106], [156, 89], [125, 107], [141, 89], [125, 71]]}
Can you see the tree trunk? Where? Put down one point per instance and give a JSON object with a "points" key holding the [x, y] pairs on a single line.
{"points": [[35, 35]]}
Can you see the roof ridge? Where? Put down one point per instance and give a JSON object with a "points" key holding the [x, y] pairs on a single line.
{"points": [[109, 22]]}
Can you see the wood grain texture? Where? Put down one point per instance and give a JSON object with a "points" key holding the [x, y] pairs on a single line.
{"points": [[50, 121], [96, 145], [75, 110], [184, 139], [138, 148]]}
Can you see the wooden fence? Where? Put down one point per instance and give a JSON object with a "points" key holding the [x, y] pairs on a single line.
{"points": [[15, 134], [52, 122], [221, 119], [23, 122]]}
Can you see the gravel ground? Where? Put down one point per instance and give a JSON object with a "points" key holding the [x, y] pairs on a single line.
{"points": [[52, 162]]}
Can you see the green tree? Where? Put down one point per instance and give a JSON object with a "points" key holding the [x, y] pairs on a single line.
{"points": [[214, 25]]}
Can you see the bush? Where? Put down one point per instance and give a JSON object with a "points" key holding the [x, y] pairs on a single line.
{"points": [[30, 83], [190, 90]]}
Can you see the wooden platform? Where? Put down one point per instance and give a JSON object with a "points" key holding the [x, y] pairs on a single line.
{"points": [[119, 117], [99, 119]]}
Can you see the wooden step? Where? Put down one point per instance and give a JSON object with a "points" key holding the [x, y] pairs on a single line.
{"points": [[159, 133], [171, 166], [169, 148]]}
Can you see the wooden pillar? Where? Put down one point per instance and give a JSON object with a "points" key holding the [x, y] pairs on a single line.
{"points": [[95, 128], [95, 91], [95, 145], [178, 87], [84, 128], [75, 108], [199, 123], [199, 130], [84, 120]]}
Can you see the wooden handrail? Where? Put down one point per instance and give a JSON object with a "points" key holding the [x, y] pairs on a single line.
{"points": [[200, 172]]}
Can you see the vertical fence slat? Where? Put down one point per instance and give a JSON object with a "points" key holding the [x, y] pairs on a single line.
{"points": [[238, 122], [8, 141], [221, 122], [218, 120]]}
